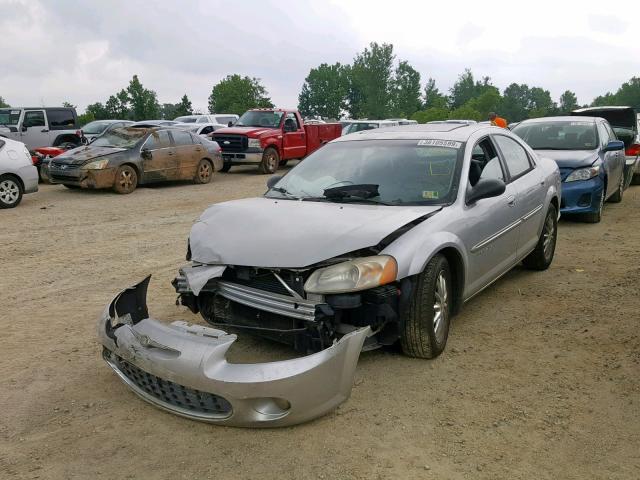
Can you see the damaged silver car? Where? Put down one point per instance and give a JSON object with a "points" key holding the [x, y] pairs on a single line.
{"points": [[377, 238]]}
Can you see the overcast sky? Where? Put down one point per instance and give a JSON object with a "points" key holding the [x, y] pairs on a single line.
{"points": [[82, 52]]}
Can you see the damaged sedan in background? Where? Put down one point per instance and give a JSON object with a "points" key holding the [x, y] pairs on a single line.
{"points": [[377, 238]]}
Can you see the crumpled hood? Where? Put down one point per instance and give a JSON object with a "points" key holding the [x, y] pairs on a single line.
{"points": [[81, 155], [266, 232], [253, 132], [570, 158]]}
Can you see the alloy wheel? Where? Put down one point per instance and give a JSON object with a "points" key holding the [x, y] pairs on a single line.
{"points": [[125, 180], [440, 307], [9, 192], [204, 172], [548, 236]]}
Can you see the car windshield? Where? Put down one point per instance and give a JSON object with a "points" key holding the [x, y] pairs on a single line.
{"points": [[556, 135], [260, 118], [95, 128], [9, 117], [120, 138], [186, 119], [413, 172]]}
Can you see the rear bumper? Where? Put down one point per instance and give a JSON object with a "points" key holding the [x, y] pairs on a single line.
{"points": [[581, 196], [182, 368], [29, 176]]}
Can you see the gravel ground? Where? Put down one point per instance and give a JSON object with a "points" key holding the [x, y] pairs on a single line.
{"points": [[540, 378]]}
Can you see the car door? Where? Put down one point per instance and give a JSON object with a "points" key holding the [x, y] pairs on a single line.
{"points": [[491, 224], [294, 138], [609, 160], [188, 154], [619, 158], [34, 132], [158, 157], [527, 182]]}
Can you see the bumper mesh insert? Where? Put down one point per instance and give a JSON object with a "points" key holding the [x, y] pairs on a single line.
{"points": [[170, 393]]}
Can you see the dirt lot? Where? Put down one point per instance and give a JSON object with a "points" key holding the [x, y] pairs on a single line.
{"points": [[540, 379]]}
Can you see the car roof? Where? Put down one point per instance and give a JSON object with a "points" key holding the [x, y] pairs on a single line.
{"points": [[603, 108], [565, 118], [443, 131]]}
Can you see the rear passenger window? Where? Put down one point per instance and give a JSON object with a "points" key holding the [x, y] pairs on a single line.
{"points": [[60, 119], [515, 156], [181, 138], [34, 119]]}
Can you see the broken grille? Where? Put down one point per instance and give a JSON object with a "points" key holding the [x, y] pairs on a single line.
{"points": [[170, 393]]}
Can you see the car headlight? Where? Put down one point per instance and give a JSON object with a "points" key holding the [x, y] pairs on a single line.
{"points": [[97, 165], [254, 143], [583, 174], [354, 275]]}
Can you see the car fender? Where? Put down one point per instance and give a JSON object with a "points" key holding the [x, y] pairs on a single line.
{"points": [[415, 249]]}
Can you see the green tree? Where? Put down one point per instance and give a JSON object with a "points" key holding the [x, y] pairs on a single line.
{"points": [[568, 102], [405, 90], [465, 112], [184, 107], [68, 105], [143, 102], [433, 97], [97, 111], [85, 118], [370, 80], [629, 93], [430, 115], [515, 102], [4, 104], [488, 101], [324, 91], [117, 106], [540, 103], [236, 94]]}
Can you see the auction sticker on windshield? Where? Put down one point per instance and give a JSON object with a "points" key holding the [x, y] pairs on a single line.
{"points": [[439, 143]]}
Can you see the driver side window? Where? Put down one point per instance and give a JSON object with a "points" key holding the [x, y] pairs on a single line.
{"points": [[484, 163], [33, 119]]}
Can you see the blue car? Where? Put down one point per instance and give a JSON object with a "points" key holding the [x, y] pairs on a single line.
{"points": [[590, 157]]}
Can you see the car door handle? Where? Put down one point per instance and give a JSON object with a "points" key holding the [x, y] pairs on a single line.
{"points": [[44, 130], [511, 201]]}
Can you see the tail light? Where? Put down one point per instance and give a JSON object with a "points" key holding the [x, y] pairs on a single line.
{"points": [[633, 150]]}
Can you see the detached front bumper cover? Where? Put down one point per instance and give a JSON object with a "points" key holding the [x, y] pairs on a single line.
{"points": [[182, 368]]}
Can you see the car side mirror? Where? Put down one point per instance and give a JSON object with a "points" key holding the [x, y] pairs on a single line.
{"points": [[271, 182], [230, 124], [146, 154], [614, 145], [24, 128], [486, 188]]}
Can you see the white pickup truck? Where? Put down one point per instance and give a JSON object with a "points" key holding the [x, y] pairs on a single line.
{"points": [[41, 127]]}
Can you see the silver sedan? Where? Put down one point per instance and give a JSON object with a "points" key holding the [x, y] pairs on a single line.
{"points": [[378, 237]]}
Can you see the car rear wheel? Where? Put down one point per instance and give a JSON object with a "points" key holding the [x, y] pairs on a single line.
{"points": [[617, 196], [635, 179], [204, 172], [270, 161], [542, 255], [426, 322], [10, 192], [126, 180], [595, 217]]}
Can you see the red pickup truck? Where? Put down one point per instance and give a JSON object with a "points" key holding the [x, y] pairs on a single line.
{"points": [[269, 137]]}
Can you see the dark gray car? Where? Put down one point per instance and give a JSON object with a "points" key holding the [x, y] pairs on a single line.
{"points": [[126, 157]]}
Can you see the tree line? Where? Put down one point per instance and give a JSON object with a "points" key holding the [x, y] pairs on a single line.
{"points": [[375, 85]]}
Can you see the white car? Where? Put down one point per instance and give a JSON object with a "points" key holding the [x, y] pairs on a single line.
{"points": [[360, 125], [222, 119], [18, 175], [204, 129]]}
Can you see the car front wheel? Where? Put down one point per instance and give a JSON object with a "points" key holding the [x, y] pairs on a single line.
{"points": [[10, 192], [126, 179], [426, 323], [270, 161]]}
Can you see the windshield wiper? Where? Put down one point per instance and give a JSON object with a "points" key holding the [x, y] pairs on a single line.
{"points": [[285, 192], [357, 193]]}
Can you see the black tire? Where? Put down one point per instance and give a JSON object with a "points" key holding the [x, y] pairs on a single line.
{"points": [[422, 335], [10, 191], [204, 172], [283, 163], [270, 161], [542, 255], [126, 180], [617, 195], [71, 187], [635, 180], [226, 166], [595, 217]]}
